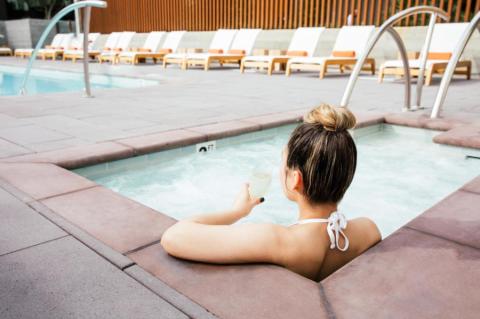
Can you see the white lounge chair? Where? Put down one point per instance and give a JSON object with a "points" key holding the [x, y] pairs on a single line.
{"points": [[56, 41], [6, 51], [242, 46], [220, 43], [444, 39], [54, 52], [122, 45], [303, 43], [148, 50], [76, 54], [350, 43]]}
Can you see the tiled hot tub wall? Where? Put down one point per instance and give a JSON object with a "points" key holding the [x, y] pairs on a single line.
{"points": [[422, 270]]}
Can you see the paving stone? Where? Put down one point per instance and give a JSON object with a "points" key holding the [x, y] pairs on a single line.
{"points": [[56, 145], [30, 134], [64, 279], [21, 226], [88, 240], [408, 275], [155, 142], [236, 291], [41, 180], [121, 223], [121, 122], [172, 296], [456, 218], [9, 149]]}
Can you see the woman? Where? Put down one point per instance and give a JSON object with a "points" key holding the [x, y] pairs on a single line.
{"points": [[319, 162]]}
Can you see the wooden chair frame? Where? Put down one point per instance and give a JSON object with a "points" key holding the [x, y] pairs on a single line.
{"points": [[369, 65], [462, 68], [77, 56], [269, 65]]}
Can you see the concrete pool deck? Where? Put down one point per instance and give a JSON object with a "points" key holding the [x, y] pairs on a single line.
{"points": [[60, 225]]}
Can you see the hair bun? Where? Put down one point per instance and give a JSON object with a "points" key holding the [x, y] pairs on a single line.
{"points": [[335, 119]]}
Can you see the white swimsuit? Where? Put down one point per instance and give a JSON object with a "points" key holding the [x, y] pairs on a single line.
{"points": [[335, 223]]}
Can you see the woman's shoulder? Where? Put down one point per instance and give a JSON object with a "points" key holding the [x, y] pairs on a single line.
{"points": [[367, 229]]}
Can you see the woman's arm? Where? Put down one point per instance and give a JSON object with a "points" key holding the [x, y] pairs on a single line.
{"points": [[224, 244], [211, 238], [242, 207]]}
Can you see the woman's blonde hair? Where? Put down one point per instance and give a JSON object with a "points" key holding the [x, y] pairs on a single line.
{"points": [[323, 150]]}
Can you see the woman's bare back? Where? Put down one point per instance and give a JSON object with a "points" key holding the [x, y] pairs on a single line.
{"points": [[310, 254]]}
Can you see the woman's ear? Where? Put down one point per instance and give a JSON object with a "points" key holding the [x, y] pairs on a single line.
{"points": [[297, 181]]}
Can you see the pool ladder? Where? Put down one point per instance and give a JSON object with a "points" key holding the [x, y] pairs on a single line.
{"points": [[387, 26], [87, 4]]}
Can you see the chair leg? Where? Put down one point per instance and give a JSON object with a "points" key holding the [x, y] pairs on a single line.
{"points": [[381, 74], [372, 66], [270, 68], [207, 65], [288, 70], [469, 71], [323, 70], [429, 76], [242, 66], [341, 67]]}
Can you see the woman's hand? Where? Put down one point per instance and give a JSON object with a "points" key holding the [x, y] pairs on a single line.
{"points": [[244, 203]]}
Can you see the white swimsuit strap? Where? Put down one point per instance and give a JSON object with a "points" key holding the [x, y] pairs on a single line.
{"points": [[336, 222]]}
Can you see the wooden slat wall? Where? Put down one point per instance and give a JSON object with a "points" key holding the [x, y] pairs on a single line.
{"points": [[203, 15]]}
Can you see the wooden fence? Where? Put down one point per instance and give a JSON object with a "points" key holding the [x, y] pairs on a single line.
{"points": [[201, 15]]}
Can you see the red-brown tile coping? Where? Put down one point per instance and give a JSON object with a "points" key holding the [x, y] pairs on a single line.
{"points": [[472, 186], [465, 136], [42, 180], [78, 156], [276, 119], [115, 220], [162, 141], [408, 275], [421, 120], [236, 291], [455, 218], [225, 129]]}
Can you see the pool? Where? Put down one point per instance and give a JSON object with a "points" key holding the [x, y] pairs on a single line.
{"points": [[400, 174], [46, 81]]}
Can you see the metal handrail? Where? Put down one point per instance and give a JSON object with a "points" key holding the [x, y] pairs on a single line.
{"points": [[387, 26], [82, 4], [457, 53]]}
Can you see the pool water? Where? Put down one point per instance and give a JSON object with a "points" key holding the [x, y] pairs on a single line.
{"points": [[43, 81], [400, 174]]}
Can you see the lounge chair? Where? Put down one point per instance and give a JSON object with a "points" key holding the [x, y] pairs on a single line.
{"points": [[56, 41], [6, 51], [75, 51], [220, 43], [54, 52], [242, 46], [76, 54], [111, 55], [303, 43], [444, 39], [350, 42], [149, 50]]}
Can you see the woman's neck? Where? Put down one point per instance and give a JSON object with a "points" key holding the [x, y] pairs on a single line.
{"points": [[307, 210]]}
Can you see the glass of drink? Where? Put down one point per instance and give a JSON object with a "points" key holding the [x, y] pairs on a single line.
{"points": [[259, 182]]}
